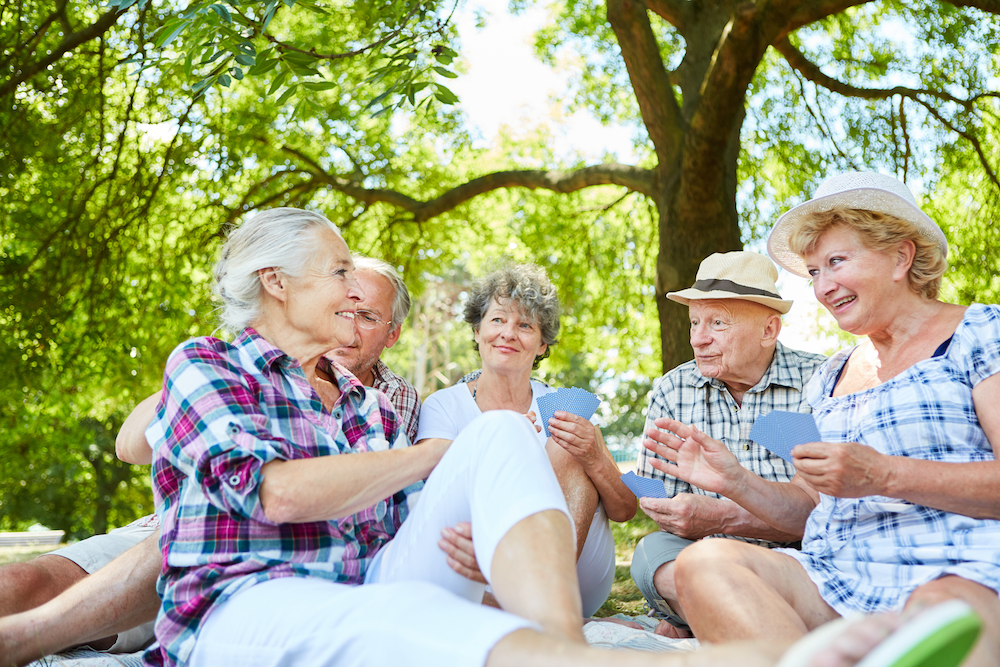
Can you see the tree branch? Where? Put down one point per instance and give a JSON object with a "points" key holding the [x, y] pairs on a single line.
{"points": [[635, 179], [674, 12], [657, 104], [804, 12], [991, 6], [968, 136], [798, 61], [349, 54], [96, 29]]}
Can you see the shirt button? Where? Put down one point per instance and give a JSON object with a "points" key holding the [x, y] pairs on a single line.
{"points": [[746, 447], [337, 414], [233, 429], [234, 480]]}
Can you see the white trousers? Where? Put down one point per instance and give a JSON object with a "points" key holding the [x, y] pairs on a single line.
{"points": [[413, 610]]}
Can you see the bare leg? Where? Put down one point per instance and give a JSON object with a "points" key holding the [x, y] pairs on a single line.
{"points": [[534, 574], [581, 494], [985, 602], [119, 596], [732, 590], [27, 585]]}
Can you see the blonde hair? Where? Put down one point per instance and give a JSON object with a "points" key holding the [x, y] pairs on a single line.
{"points": [[878, 231]]}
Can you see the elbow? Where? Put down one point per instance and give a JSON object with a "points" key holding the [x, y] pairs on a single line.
{"points": [[622, 512], [278, 497]]}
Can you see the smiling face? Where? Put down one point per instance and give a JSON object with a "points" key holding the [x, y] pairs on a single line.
{"points": [[317, 308], [733, 340], [508, 341], [361, 355], [856, 284]]}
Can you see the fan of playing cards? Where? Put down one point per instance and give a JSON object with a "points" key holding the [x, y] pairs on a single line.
{"points": [[578, 401]]}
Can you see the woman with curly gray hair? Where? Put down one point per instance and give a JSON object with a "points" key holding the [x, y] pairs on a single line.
{"points": [[514, 313]]}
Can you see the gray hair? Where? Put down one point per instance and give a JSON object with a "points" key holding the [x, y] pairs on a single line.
{"points": [[529, 288], [401, 296], [280, 238]]}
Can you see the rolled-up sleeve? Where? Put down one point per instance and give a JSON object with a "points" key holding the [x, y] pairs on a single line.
{"points": [[215, 433]]}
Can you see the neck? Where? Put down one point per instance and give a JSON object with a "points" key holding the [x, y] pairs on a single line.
{"points": [[906, 324], [739, 386], [365, 377], [503, 392], [306, 351]]}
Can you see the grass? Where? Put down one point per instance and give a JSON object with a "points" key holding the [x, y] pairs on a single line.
{"points": [[21, 554], [625, 598]]}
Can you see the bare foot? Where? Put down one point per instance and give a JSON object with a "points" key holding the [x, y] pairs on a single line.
{"points": [[857, 640], [664, 629]]}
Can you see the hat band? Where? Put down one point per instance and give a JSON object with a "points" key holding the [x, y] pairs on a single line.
{"points": [[713, 284]]}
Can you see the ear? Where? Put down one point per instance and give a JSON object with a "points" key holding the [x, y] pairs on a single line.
{"points": [[905, 253], [393, 337], [541, 349], [273, 282], [772, 327]]}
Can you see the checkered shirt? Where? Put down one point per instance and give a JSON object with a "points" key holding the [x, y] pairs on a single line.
{"points": [[401, 394], [227, 410], [689, 397], [869, 554]]}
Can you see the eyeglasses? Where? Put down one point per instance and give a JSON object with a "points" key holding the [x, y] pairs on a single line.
{"points": [[366, 319]]}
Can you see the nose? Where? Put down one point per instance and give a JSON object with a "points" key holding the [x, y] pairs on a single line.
{"points": [[354, 291], [823, 284], [699, 335]]}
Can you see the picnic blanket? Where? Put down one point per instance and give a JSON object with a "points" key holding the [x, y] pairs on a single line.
{"points": [[601, 635]]}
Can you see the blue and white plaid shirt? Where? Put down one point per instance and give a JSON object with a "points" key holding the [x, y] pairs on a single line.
{"points": [[869, 554]]}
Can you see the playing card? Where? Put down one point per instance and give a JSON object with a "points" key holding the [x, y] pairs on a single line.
{"points": [[780, 431], [644, 487], [578, 401]]}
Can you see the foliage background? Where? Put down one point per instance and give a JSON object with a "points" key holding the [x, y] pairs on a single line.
{"points": [[119, 176]]}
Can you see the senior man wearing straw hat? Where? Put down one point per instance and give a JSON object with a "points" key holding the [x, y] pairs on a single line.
{"points": [[740, 371]]}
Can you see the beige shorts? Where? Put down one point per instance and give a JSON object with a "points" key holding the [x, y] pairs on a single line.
{"points": [[95, 552]]}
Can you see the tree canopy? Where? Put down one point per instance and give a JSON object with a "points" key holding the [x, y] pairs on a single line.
{"points": [[133, 134]]}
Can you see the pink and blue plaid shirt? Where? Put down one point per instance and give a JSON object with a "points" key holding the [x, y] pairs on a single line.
{"points": [[228, 409]]}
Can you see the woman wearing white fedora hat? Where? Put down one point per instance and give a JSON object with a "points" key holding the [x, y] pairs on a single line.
{"points": [[899, 503]]}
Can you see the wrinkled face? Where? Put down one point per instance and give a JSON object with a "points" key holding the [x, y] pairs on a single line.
{"points": [[726, 336], [320, 304], [852, 281], [508, 341], [361, 355]]}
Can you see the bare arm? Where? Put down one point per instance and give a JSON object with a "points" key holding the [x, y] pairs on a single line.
{"points": [[131, 445], [332, 487], [709, 465], [581, 495], [852, 470], [585, 443], [694, 516]]}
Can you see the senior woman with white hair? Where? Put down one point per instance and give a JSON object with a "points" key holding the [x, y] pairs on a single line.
{"points": [[514, 315], [899, 502]]}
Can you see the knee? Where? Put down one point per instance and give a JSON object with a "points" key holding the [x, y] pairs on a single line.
{"points": [[952, 588], [708, 557], [25, 586]]}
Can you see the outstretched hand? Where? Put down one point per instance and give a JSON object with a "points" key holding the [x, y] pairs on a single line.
{"points": [[843, 469], [457, 545], [700, 460]]}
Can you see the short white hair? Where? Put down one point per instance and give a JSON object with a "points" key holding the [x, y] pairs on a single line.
{"points": [[401, 296], [280, 238]]}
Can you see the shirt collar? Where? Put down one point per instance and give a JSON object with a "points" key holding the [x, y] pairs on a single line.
{"points": [[382, 376], [263, 353]]}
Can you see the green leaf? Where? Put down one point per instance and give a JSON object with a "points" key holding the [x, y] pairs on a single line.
{"points": [[225, 80], [444, 94], [245, 60], [277, 83], [169, 33], [223, 12], [319, 85], [445, 72], [263, 67], [268, 15], [237, 73], [285, 96]]}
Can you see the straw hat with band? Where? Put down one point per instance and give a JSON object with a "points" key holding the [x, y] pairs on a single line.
{"points": [[855, 190], [735, 275]]}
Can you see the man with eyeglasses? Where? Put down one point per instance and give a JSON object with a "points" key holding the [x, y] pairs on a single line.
{"points": [[56, 616]]}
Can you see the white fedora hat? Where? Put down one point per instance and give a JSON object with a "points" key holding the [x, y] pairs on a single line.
{"points": [[854, 190], [735, 275]]}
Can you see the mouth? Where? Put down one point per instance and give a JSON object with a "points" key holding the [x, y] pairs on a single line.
{"points": [[348, 314], [839, 303]]}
